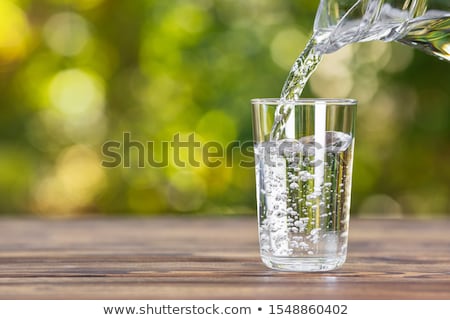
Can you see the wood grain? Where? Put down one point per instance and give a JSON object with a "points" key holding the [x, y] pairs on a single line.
{"points": [[212, 258]]}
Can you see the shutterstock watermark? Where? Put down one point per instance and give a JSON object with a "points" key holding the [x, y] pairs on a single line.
{"points": [[181, 151], [188, 151]]}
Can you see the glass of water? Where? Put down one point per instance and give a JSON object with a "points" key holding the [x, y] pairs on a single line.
{"points": [[303, 181]]}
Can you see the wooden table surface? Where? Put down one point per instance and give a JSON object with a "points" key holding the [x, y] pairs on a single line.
{"points": [[212, 258]]}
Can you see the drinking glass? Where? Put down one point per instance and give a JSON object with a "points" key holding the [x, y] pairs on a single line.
{"points": [[303, 182]]}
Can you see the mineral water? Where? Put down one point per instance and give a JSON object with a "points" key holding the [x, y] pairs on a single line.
{"points": [[304, 200], [429, 33]]}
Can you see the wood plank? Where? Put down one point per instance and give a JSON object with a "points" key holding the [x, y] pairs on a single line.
{"points": [[202, 258]]}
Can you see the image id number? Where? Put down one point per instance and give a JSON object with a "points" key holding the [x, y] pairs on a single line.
{"points": [[307, 309]]}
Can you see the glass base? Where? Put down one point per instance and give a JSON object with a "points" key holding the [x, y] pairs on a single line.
{"points": [[304, 264]]}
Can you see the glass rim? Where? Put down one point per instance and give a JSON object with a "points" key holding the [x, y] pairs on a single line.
{"points": [[305, 101]]}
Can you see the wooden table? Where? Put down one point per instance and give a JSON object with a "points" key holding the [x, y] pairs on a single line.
{"points": [[217, 258]]}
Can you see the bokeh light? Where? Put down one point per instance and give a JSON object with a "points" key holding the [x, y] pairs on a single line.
{"points": [[216, 125], [15, 32], [66, 33], [333, 77], [76, 93], [72, 185], [284, 47]]}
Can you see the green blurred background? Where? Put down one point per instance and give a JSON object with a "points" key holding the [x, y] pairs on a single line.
{"points": [[77, 73]]}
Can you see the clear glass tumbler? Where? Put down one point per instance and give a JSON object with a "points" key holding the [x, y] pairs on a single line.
{"points": [[303, 182]]}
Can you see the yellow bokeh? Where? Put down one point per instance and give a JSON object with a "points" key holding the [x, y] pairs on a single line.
{"points": [[284, 47], [76, 92], [216, 125], [66, 33], [14, 32], [75, 181]]}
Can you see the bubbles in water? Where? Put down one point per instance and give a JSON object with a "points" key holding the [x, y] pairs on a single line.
{"points": [[295, 213]]}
